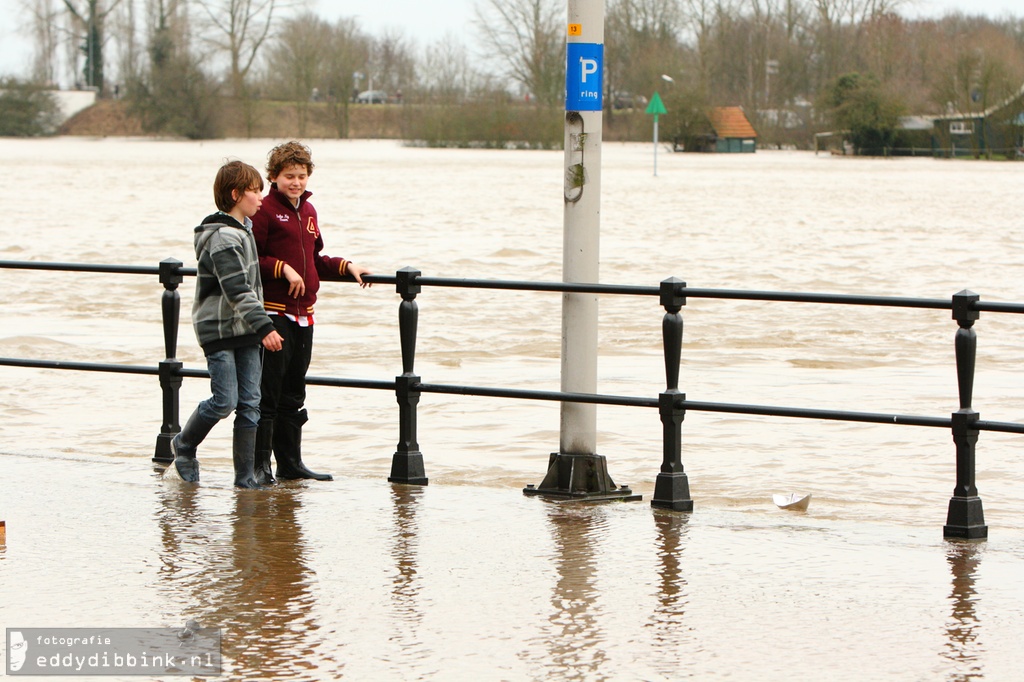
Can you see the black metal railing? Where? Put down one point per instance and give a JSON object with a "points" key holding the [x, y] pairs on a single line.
{"points": [[965, 517]]}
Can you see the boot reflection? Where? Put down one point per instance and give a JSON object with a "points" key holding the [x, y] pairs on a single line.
{"points": [[182, 538], [239, 564], [267, 601]]}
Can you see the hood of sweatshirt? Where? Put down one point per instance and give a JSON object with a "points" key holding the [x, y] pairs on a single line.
{"points": [[213, 222]]}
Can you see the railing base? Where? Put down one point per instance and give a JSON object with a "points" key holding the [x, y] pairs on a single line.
{"points": [[407, 467], [582, 478], [162, 454], [965, 519], [672, 491]]}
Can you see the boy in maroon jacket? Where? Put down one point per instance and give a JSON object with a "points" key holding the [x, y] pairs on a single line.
{"points": [[291, 264]]}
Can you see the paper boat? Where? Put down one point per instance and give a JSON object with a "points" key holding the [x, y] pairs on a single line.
{"points": [[791, 501]]}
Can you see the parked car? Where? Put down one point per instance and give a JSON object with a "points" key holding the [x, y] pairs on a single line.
{"points": [[372, 97], [626, 100]]}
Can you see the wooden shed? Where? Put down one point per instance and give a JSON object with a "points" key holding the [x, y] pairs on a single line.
{"points": [[733, 132]]}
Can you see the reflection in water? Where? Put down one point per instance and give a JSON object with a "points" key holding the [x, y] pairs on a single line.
{"points": [[242, 571], [405, 585], [962, 629], [574, 638], [178, 516], [667, 619]]}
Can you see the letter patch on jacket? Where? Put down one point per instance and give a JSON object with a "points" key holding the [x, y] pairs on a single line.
{"points": [[311, 227]]}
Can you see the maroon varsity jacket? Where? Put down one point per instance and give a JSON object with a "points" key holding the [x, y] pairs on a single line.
{"points": [[285, 234]]}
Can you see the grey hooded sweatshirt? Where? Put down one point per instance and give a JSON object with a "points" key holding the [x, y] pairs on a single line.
{"points": [[227, 311]]}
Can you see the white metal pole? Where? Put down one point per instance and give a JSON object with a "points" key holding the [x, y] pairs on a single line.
{"points": [[582, 220], [655, 145]]}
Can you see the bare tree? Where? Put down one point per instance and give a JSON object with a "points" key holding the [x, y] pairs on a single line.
{"points": [[299, 56], [173, 95], [391, 65], [129, 51], [528, 38], [838, 28], [348, 52], [641, 44], [90, 18], [704, 21], [45, 35], [447, 74], [239, 29]]}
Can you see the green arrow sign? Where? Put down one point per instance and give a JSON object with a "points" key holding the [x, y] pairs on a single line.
{"points": [[655, 106]]}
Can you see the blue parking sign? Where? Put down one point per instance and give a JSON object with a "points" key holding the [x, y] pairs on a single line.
{"points": [[584, 77]]}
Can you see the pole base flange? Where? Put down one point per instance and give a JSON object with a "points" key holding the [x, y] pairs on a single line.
{"points": [[580, 478]]}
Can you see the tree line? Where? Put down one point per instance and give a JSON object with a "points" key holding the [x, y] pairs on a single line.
{"points": [[795, 66]]}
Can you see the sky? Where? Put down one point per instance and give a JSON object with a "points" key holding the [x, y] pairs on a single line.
{"points": [[423, 20]]}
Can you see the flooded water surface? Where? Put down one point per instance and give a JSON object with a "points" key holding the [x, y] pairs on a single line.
{"points": [[467, 578]]}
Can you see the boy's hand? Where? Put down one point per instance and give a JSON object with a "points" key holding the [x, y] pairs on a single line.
{"points": [[296, 287], [357, 272], [273, 341]]}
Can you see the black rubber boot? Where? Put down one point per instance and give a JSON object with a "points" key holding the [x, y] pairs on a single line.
{"points": [[263, 472], [243, 453], [184, 445], [288, 449]]}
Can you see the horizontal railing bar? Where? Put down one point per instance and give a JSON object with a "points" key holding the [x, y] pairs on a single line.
{"points": [[181, 372], [90, 267], [564, 287], [839, 415], [80, 366], [698, 406], [351, 383], [810, 297], [993, 307], [1004, 427], [528, 394], [572, 287], [691, 292], [688, 292], [380, 279], [807, 413], [556, 396]]}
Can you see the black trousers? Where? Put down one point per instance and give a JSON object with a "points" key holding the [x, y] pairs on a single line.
{"points": [[283, 384]]}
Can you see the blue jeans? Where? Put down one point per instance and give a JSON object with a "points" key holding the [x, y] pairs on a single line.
{"points": [[235, 380]]}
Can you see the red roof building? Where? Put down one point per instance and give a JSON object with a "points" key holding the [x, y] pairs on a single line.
{"points": [[733, 131]]}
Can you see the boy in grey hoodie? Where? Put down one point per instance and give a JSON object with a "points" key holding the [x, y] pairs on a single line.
{"points": [[230, 323]]}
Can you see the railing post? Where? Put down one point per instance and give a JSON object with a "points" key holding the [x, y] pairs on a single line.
{"points": [[407, 462], [965, 518], [672, 488], [170, 379]]}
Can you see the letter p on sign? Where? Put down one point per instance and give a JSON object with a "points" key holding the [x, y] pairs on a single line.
{"points": [[588, 67], [584, 86]]}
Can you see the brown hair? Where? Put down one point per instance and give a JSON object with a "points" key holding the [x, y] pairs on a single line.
{"points": [[288, 154], [232, 176]]}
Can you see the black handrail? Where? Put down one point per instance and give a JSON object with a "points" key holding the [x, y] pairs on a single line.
{"points": [[569, 287], [552, 396], [965, 517]]}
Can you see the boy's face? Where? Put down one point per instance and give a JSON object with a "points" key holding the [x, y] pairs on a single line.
{"points": [[291, 181], [249, 202]]}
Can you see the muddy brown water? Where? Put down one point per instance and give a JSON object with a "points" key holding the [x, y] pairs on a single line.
{"points": [[466, 578]]}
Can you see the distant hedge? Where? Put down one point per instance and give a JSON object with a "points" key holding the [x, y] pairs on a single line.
{"points": [[27, 110]]}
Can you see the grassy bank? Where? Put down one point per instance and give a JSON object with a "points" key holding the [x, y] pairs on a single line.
{"points": [[464, 125]]}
